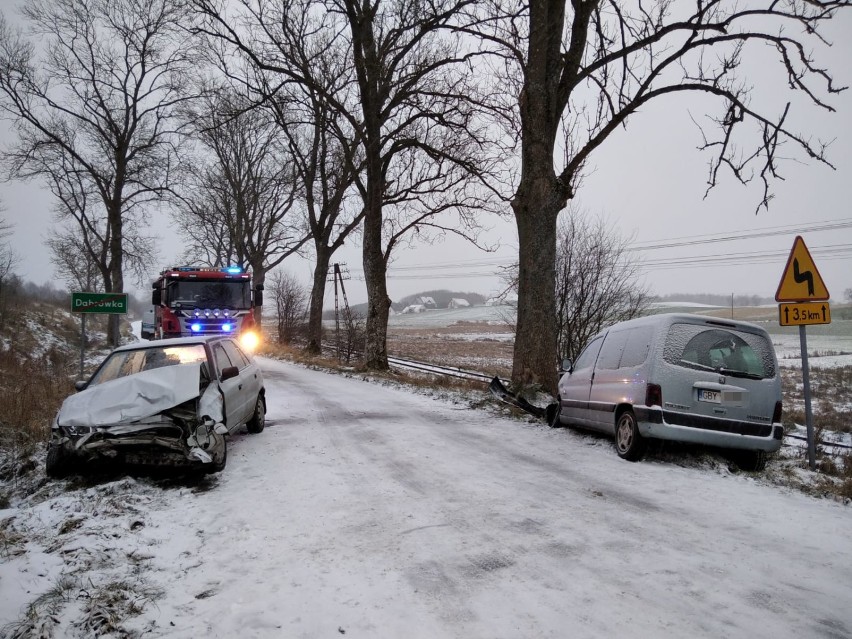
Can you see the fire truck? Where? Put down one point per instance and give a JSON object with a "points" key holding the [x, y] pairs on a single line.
{"points": [[199, 300]]}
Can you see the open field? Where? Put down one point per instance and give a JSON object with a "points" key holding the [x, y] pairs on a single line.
{"points": [[481, 337]]}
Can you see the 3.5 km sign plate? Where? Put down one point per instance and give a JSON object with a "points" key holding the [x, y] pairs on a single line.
{"points": [[804, 313]]}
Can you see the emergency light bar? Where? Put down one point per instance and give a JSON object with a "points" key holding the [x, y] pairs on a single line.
{"points": [[233, 270]]}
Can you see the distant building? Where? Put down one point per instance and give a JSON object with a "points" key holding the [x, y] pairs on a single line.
{"points": [[458, 302], [426, 301], [413, 308]]}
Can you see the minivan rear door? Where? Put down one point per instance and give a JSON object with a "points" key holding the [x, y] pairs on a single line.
{"points": [[720, 370]]}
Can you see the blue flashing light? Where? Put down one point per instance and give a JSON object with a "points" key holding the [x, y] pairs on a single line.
{"points": [[234, 269], [227, 327], [195, 327]]}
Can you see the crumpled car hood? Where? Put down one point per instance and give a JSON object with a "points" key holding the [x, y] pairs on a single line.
{"points": [[132, 398]]}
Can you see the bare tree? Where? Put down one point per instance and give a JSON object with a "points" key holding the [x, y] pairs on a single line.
{"points": [[94, 112], [421, 141], [324, 147], [580, 74], [74, 267], [597, 281], [290, 305], [239, 206], [8, 259], [408, 109], [81, 245]]}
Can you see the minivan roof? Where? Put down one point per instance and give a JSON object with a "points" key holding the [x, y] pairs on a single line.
{"points": [[668, 319]]}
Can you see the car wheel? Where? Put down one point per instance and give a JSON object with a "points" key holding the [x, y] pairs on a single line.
{"points": [[58, 464], [629, 444], [753, 461], [218, 465], [258, 418]]}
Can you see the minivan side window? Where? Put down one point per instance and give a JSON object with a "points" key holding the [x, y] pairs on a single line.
{"points": [[727, 351], [624, 349], [612, 348], [588, 356], [637, 347]]}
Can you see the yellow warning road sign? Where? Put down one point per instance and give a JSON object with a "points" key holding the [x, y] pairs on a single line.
{"points": [[801, 281], [804, 313]]}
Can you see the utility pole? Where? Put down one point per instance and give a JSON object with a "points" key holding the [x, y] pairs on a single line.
{"points": [[338, 278]]}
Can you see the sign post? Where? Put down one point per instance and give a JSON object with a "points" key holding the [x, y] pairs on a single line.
{"points": [[112, 303], [802, 285]]}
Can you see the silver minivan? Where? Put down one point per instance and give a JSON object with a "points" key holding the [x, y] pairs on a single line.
{"points": [[680, 377]]}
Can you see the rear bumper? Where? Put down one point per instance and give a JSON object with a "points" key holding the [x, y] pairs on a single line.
{"points": [[711, 431]]}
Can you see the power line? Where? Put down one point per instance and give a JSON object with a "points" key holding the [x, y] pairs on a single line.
{"points": [[741, 235], [449, 270]]}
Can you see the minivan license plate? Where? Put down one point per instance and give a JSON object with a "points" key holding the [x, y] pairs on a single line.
{"points": [[709, 396]]}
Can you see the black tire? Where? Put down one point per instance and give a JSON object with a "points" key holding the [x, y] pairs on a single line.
{"points": [[552, 412], [753, 461], [219, 465], [58, 465], [258, 419], [629, 444]]}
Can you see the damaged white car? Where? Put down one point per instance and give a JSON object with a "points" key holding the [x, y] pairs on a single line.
{"points": [[163, 403]]}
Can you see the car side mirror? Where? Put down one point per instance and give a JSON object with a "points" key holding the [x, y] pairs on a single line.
{"points": [[156, 297], [80, 384], [229, 372], [566, 365]]}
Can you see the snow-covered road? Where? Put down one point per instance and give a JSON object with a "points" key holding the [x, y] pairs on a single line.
{"points": [[370, 511]]}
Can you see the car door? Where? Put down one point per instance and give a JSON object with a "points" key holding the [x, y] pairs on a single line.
{"points": [[606, 380], [619, 376], [575, 386], [249, 374], [231, 388]]}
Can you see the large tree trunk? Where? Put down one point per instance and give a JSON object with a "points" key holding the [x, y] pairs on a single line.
{"points": [[116, 262], [540, 197], [368, 69], [258, 278], [535, 358], [375, 272], [317, 299]]}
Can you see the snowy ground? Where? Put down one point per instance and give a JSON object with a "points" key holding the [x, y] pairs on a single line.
{"points": [[368, 511]]}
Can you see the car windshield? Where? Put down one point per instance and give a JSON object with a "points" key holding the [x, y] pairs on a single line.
{"points": [[124, 363], [727, 351], [219, 294]]}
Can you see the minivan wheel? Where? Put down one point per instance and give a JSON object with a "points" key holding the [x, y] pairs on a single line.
{"points": [[629, 444], [753, 461], [552, 414]]}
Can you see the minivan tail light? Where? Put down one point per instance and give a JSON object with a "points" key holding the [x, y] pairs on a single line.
{"points": [[653, 395], [776, 414]]}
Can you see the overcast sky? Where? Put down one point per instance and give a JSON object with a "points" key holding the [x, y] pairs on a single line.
{"points": [[648, 182]]}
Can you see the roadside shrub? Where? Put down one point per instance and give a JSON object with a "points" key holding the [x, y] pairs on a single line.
{"points": [[31, 392]]}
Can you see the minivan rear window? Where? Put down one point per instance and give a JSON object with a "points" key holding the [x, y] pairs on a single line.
{"points": [[726, 351]]}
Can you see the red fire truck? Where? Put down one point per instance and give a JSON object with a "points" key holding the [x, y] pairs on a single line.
{"points": [[199, 300]]}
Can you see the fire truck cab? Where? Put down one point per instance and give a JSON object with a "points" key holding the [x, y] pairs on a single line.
{"points": [[198, 300]]}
